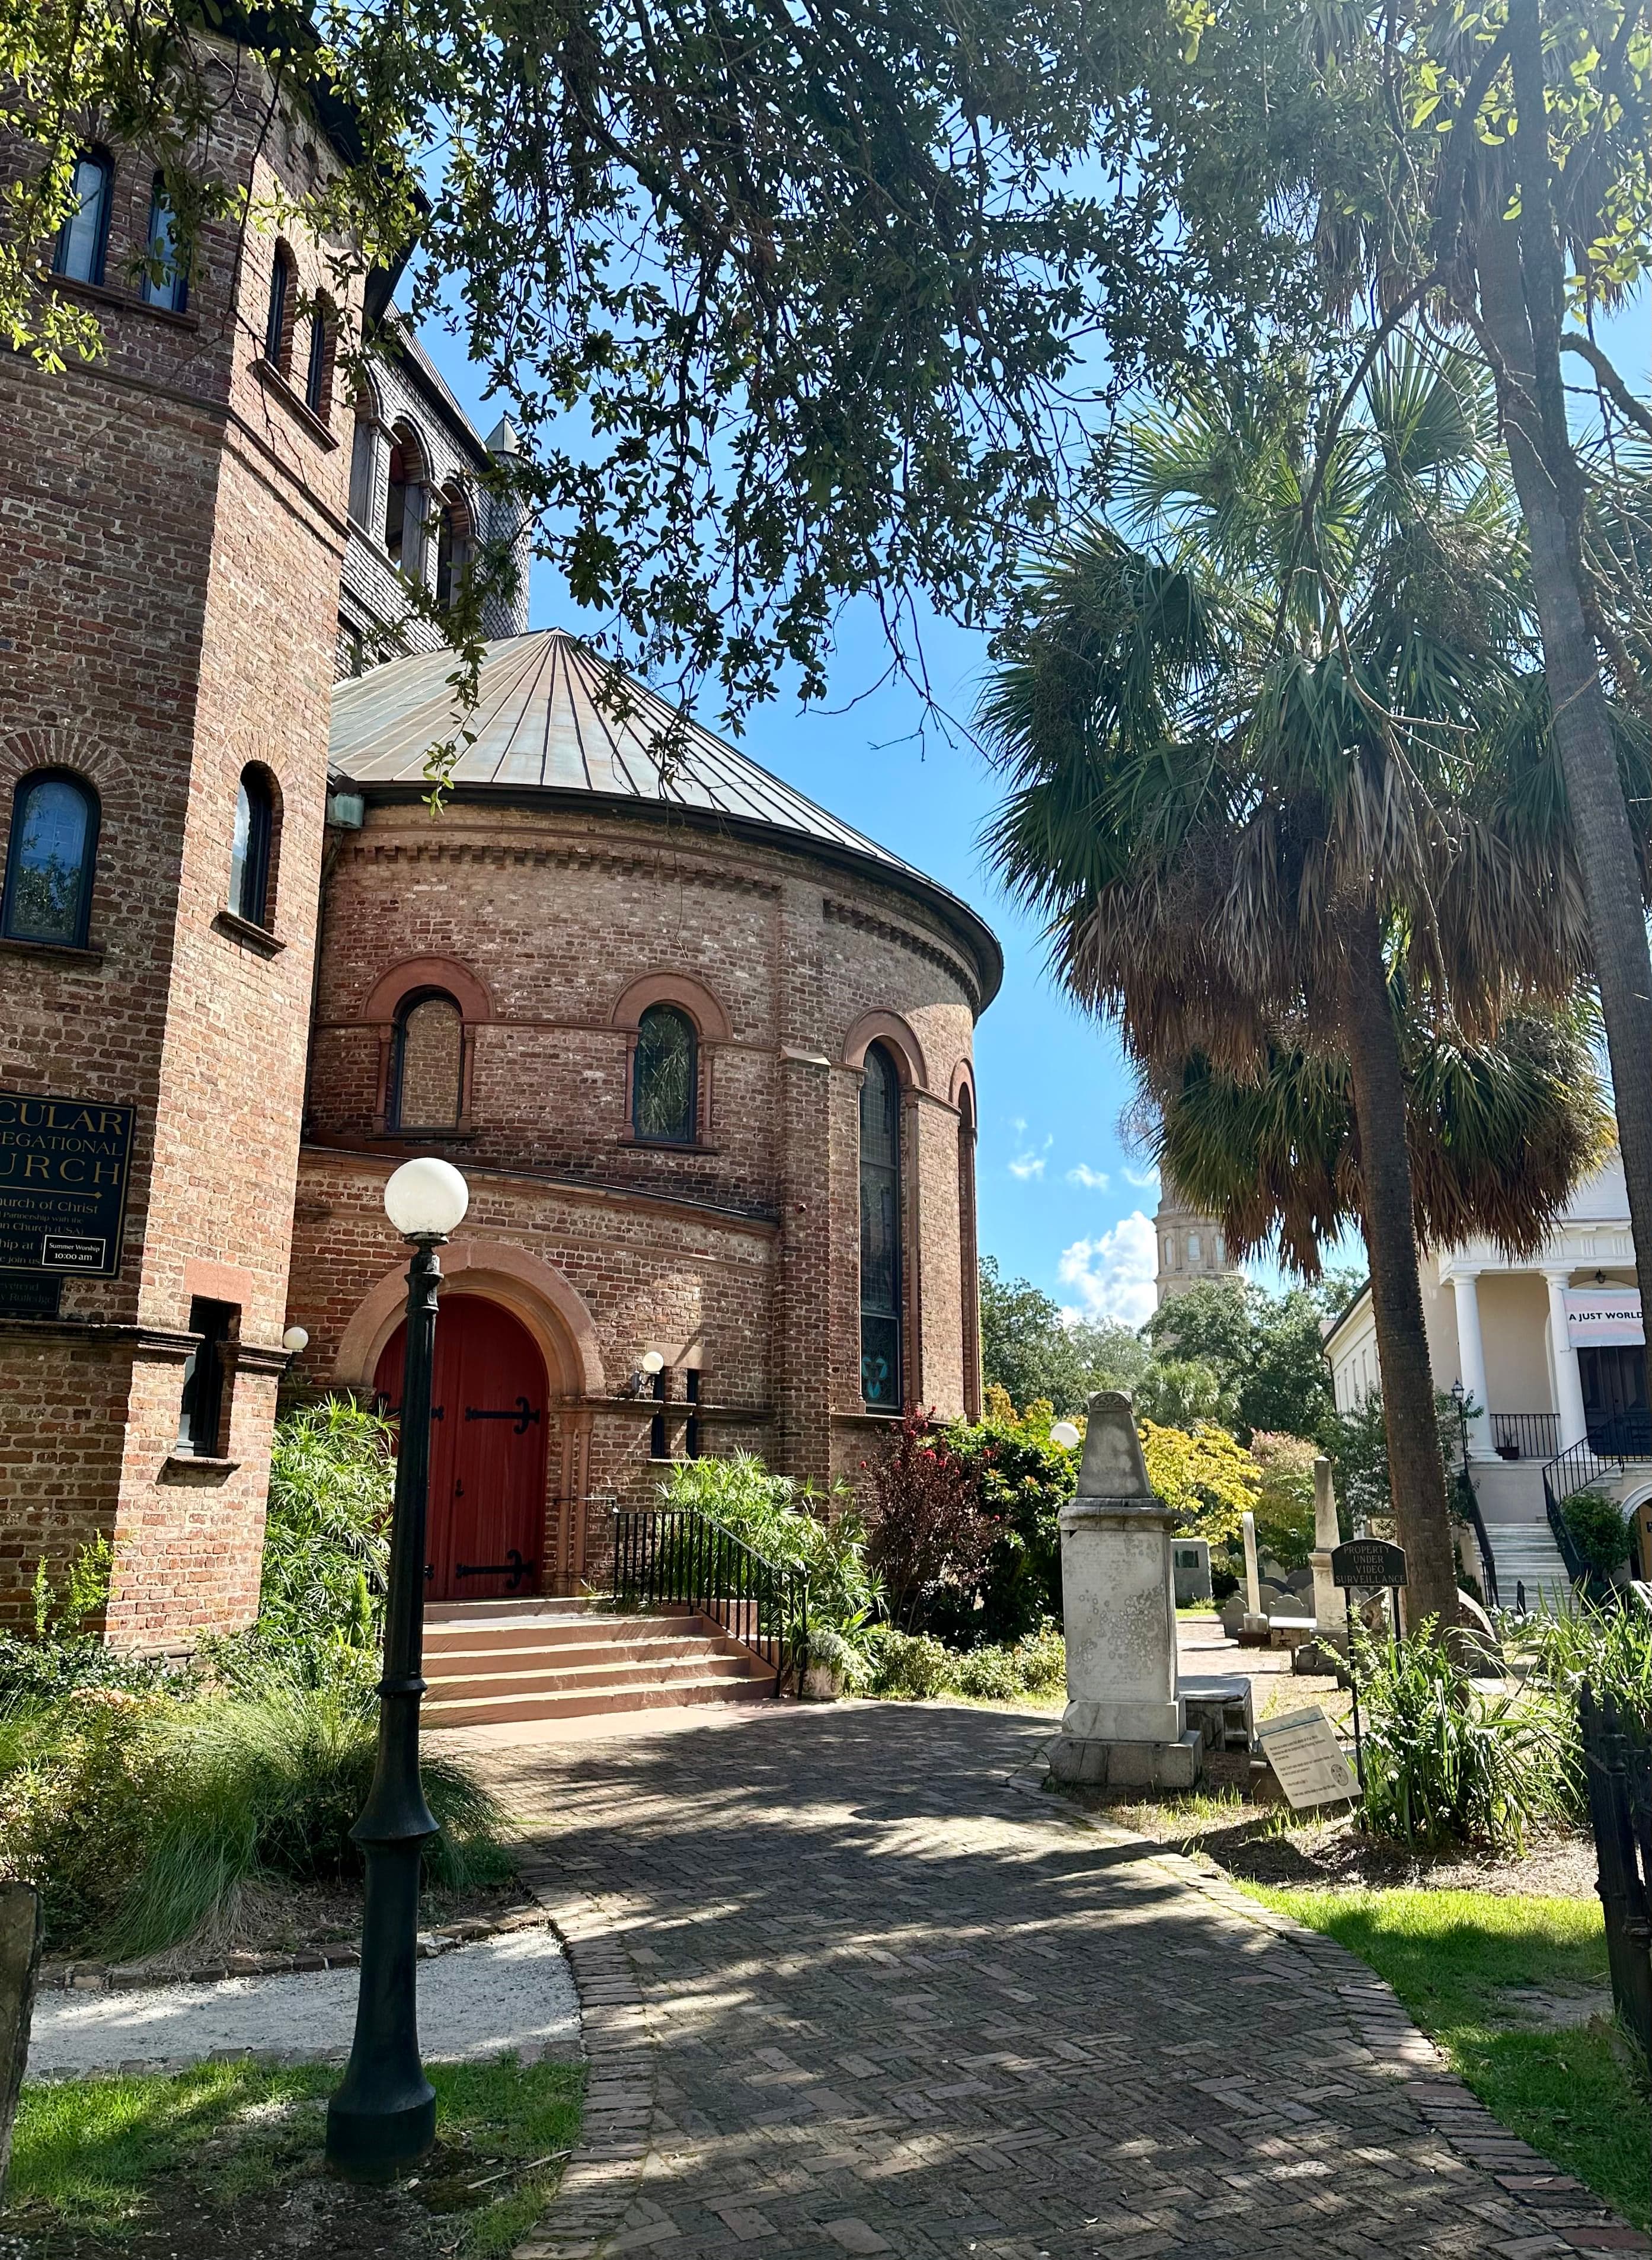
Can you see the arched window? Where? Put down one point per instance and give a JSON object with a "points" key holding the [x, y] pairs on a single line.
{"points": [[969, 1260], [277, 337], [880, 1366], [665, 1078], [452, 546], [363, 453], [319, 362], [165, 282], [427, 1069], [83, 241], [249, 856], [1192, 1248], [405, 505], [49, 862]]}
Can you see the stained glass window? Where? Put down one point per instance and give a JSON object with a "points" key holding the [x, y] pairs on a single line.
{"points": [[881, 1379], [49, 864], [83, 238], [663, 1080]]}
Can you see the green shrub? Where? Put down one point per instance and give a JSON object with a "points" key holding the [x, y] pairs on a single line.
{"points": [[79, 1781], [1446, 1761], [989, 1674], [913, 1666], [1598, 1528], [791, 1527], [1022, 1482], [1041, 1660]]}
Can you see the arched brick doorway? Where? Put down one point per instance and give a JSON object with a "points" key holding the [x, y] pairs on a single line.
{"points": [[489, 1412]]}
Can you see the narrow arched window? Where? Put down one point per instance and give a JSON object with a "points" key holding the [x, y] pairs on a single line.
{"points": [[319, 362], [249, 855], [427, 1072], [881, 1367], [165, 282], [277, 342], [363, 449], [83, 241], [405, 505], [453, 546], [664, 1089], [50, 859], [969, 1260]]}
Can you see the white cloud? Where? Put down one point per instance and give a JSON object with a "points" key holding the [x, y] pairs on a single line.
{"points": [[1145, 1180], [1112, 1274], [1029, 1162], [1093, 1181]]}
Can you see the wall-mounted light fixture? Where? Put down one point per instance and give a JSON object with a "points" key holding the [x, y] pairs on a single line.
{"points": [[641, 1382]]}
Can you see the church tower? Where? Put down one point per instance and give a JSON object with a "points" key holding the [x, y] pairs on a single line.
{"points": [[1191, 1247]]}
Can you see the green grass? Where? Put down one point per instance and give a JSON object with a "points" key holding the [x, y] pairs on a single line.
{"points": [[93, 2154], [1577, 2095]]}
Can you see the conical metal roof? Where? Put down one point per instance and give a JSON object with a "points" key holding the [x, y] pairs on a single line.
{"points": [[550, 720]]}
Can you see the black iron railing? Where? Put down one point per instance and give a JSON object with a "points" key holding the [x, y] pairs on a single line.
{"points": [[674, 1556], [1469, 1508], [1572, 1470], [1619, 1766], [1525, 1435]]}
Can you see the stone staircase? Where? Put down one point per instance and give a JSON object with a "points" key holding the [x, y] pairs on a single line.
{"points": [[510, 1662], [1525, 1554]]}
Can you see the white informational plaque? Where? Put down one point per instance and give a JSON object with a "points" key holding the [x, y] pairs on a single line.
{"points": [[1308, 1760]]}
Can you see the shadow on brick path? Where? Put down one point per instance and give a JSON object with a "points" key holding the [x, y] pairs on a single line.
{"points": [[852, 1984]]}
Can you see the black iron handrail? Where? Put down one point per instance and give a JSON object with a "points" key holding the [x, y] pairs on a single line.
{"points": [[674, 1556], [1576, 1568], [1469, 1507], [1525, 1435]]}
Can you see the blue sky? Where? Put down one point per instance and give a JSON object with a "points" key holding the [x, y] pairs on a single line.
{"points": [[1061, 1201]]}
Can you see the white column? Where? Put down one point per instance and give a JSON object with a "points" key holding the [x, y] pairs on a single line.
{"points": [[1471, 1360], [1569, 1388]]}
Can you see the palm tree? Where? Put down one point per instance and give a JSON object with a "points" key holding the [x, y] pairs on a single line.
{"points": [[1499, 1134], [1247, 793]]}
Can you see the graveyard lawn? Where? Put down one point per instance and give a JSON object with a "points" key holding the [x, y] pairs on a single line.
{"points": [[227, 2158], [1515, 1990]]}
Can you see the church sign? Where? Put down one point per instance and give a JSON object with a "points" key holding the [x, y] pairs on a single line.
{"points": [[63, 1167], [1599, 1316]]}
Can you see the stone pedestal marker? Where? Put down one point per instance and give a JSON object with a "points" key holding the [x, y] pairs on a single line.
{"points": [[20, 1934], [1328, 1612], [1125, 1722], [1253, 1625]]}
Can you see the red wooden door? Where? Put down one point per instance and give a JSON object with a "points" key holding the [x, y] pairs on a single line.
{"points": [[487, 1450]]}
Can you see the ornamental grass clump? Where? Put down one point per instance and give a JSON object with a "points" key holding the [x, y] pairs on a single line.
{"points": [[1449, 1762]]}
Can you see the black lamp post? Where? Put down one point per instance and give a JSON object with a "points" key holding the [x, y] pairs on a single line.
{"points": [[383, 2115]]}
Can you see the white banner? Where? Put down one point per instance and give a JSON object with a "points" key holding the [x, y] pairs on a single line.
{"points": [[1597, 1316]]}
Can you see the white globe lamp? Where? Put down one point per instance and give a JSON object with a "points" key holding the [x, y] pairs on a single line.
{"points": [[1065, 1434], [426, 1198], [651, 1362], [296, 1340]]}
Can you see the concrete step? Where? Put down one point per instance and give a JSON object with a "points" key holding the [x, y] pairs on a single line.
{"points": [[617, 1671], [503, 1634], [588, 1703], [1525, 1554]]}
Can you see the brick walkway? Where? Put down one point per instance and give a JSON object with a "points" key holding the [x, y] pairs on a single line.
{"points": [[853, 1985]]}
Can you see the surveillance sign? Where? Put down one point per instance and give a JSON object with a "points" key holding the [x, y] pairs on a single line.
{"points": [[64, 1164]]}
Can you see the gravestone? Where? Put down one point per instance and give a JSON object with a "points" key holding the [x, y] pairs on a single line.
{"points": [[1328, 1612], [20, 1935], [1125, 1724], [1253, 1627]]}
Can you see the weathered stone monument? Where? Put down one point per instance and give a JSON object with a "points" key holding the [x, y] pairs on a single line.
{"points": [[1253, 1625], [1125, 1723], [1329, 1614]]}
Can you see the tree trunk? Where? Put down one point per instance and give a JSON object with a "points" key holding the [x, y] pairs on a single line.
{"points": [[1521, 304], [1416, 1470]]}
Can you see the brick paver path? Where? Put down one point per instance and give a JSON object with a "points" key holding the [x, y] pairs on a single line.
{"points": [[853, 1985]]}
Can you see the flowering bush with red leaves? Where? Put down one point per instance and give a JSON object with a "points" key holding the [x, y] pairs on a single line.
{"points": [[929, 1537]]}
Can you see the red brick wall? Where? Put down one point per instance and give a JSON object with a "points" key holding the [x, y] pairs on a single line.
{"points": [[168, 593], [746, 1248]]}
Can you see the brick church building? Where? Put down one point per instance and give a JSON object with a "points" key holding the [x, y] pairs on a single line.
{"points": [[702, 1051]]}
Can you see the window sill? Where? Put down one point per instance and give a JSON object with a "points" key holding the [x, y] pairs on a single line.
{"points": [[667, 1145], [276, 380], [128, 302], [179, 1467], [73, 953], [441, 1137], [258, 937]]}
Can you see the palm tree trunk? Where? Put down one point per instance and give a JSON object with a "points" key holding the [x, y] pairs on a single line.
{"points": [[1416, 1470], [1521, 285]]}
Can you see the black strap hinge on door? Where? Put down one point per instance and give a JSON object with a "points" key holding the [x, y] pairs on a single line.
{"points": [[513, 1571], [521, 1414]]}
